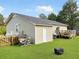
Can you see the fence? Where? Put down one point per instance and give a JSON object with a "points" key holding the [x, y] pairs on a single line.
{"points": [[4, 41], [8, 40]]}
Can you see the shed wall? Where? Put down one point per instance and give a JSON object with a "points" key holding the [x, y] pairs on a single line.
{"points": [[39, 34]]}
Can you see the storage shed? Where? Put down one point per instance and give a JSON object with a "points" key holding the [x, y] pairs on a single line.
{"points": [[40, 30]]}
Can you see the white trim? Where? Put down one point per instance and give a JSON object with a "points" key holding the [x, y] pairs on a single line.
{"points": [[44, 35]]}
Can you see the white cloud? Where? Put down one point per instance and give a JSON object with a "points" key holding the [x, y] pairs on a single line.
{"points": [[1, 9], [47, 9]]}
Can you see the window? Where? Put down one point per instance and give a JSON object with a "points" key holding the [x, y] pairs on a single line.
{"points": [[57, 31], [17, 27]]}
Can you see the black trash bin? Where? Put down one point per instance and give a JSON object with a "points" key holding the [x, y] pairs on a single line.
{"points": [[58, 51]]}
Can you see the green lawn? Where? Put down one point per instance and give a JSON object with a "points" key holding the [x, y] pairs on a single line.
{"points": [[43, 51]]}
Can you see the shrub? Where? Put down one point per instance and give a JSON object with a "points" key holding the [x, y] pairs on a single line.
{"points": [[2, 30]]}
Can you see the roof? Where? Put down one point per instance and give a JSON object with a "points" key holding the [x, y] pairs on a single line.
{"points": [[36, 21]]}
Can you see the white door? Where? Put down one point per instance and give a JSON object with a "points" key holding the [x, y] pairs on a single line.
{"points": [[44, 35]]}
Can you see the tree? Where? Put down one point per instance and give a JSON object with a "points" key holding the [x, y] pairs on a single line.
{"points": [[43, 16], [52, 16], [1, 19], [62, 17], [68, 13], [77, 23], [77, 26]]}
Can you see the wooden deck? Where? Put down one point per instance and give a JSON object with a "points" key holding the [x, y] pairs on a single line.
{"points": [[68, 33]]}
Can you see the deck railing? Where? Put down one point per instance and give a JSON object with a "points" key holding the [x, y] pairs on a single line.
{"points": [[68, 33]]}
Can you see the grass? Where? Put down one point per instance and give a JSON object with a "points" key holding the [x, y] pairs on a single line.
{"points": [[42, 51]]}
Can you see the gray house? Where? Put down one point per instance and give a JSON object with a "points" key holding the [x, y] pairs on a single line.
{"points": [[40, 30]]}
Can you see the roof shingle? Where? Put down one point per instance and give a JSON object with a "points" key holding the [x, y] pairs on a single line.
{"points": [[37, 21]]}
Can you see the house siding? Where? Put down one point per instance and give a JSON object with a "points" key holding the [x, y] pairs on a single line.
{"points": [[63, 28], [27, 27], [60, 28]]}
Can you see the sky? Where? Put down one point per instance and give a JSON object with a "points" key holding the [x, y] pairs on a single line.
{"points": [[31, 7]]}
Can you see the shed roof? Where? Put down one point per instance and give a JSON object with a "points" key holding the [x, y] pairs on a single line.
{"points": [[36, 21]]}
